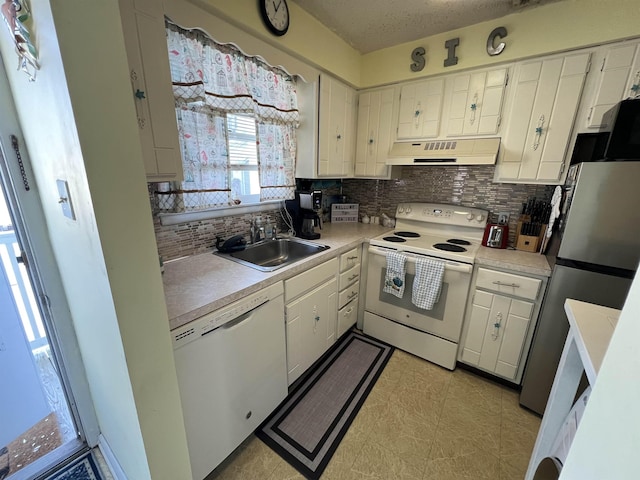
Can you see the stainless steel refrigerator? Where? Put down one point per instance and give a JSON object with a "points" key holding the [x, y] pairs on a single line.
{"points": [[596, 251]]}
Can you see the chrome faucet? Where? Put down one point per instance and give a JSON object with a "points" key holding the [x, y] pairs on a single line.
{"points": [[256, 231]]}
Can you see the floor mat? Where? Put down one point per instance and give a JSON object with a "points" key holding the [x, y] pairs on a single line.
{"points": [[309, 424], [83, 468]]}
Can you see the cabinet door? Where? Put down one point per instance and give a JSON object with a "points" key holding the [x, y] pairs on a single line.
{"points": [[613, 84], [544, 102], [476, 103], [336, 132], [496, 333], [420, 109], [146, 45], [311, 327], [374, 133]]}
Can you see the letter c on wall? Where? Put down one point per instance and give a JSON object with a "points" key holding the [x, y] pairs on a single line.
{"points": [[499, 32]]}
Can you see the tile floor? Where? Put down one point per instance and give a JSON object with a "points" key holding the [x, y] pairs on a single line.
{"points": [[420, 422]]}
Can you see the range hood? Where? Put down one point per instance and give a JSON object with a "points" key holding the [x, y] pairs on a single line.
{"points": [[465, 151]]}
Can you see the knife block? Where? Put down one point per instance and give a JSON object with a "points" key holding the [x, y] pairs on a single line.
{"points": [[529, 243]]}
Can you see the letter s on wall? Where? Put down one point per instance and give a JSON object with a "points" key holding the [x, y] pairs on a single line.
{"points": [[418, 59], [499, 32]]}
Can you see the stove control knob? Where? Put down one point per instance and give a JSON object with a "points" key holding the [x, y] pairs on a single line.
{"points": [[408, 210], [470, 216], [480, 218], [400, 209]]}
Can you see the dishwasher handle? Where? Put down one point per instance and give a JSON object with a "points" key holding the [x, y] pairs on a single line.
{"points": [[236, 321]]}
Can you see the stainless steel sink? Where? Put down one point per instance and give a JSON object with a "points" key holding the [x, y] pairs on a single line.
{"points": [[269, 255]]}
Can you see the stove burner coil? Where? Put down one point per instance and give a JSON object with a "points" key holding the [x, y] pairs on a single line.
{"points": [[449, 247], [407, 234], [394, 239], [458, 241]]}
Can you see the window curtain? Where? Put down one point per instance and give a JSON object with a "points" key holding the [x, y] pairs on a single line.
{"points": [[210, 79]]}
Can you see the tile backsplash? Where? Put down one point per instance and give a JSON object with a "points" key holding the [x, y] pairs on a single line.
{"points": [[470, 186], [192, 238]]}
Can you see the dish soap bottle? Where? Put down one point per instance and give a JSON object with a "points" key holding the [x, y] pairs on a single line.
{"points": [[268, 230]]}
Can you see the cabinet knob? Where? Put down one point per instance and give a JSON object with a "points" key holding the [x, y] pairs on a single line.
{"points": [[496, 326], [338, 136], [473, 107], [635, 88], [139, 94], [539, 129]]}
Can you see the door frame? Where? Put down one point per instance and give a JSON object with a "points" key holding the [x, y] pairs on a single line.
{"points": [[31, 232]]}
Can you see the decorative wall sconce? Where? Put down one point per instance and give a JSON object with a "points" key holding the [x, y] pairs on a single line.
{"points": [[15, 14]]}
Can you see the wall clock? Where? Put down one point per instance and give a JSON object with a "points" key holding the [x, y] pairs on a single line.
{"points": [[275, 14]]}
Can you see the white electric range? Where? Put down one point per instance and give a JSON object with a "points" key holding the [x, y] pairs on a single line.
{"points": [[450, 234]]}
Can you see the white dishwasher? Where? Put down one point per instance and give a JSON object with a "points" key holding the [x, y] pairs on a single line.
{"points": [[232, 373]]}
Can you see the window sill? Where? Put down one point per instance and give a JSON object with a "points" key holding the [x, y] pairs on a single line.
{"points": [[184, 217]]}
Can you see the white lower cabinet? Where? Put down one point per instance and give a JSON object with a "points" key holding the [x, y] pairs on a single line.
{"points": [[347, 317], [497, 328], [500, 320], [311, 316], [349, 288]]}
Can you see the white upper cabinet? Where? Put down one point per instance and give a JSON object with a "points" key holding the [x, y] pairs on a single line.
{"points": [[420, 109], [146, 45], [544, 97], [618, 78], [476, 103], [336, 134], [375, 133], [326, 137]]}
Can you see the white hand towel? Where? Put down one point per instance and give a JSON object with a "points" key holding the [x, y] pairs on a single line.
{"points": [[394, 278], [427, 283]]}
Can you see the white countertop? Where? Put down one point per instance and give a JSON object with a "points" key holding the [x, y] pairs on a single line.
{"points": [[200, 284], [516, 260], [593, 326]]}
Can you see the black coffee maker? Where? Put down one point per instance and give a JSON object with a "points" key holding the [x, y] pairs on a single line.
{"points": [[305, 213]]}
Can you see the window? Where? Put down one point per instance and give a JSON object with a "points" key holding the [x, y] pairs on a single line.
{"points": [[243, 158], [237, 119]]}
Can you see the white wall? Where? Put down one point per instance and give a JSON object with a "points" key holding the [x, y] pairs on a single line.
{"points": [[79, 125], [608, 439]]}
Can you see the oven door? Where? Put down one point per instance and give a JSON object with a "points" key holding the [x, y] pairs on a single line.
{"points": [[444, 320]]}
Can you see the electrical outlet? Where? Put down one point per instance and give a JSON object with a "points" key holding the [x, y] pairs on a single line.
{"points": [[503, 217]]}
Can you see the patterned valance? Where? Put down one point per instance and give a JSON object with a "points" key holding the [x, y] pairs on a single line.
{"points": [[222, 77]]}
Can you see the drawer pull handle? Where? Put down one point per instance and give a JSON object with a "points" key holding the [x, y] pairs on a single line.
{"points": [[353, 277], [348, 312], [352, 294], [352, 258], [499, 283]]}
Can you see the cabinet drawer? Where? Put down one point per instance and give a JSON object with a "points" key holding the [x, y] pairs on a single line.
{"points": [[349, 259], [507, 283], [348, 294], [347, 317], [350, 276], [306, 281]]}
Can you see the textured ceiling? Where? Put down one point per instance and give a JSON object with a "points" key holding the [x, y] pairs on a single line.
{"points": [[369, 25]]}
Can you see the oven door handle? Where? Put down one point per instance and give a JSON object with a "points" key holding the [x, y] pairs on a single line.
{"points": [[411, 257]]}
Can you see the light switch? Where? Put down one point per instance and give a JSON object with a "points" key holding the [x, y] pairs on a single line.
{"points": [[65, 199]]}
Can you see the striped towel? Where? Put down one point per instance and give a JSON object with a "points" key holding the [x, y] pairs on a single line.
{"points": [[428, 283], [394, 278]]}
